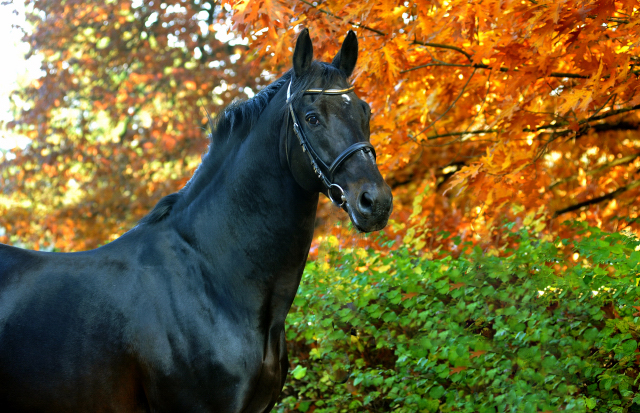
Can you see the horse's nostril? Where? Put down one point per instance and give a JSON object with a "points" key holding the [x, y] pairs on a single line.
{"points": [[365, 202]]}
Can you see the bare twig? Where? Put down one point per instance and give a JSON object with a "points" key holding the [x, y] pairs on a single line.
{"points": [[450, 106], [381, 33], [555, 133], [597, 200], [502, 69], [621, 161], [584, 121], [476, 66], [471, 132], [601, 107], [611, 113], [362, 26], [610, 19], [568, 75], [443, 46]]}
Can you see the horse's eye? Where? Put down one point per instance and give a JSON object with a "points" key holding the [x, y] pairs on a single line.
{"points": [[313, 120]]}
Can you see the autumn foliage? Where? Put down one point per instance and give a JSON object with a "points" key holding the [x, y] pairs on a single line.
{"points": [[483, 111], [117, 119]]}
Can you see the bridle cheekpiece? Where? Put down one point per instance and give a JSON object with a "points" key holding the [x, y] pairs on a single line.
{"points": [[326, 172]]}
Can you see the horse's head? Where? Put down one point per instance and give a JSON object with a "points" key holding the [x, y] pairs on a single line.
{"points": [[331, 152]]}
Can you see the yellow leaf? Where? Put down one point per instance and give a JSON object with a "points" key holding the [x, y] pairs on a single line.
{"points": [[409, 235]]}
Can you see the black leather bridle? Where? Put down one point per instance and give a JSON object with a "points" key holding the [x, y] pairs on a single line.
{"points": [[326, 172]]}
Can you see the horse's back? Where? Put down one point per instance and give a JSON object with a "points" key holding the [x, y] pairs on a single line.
{"points": [[61, 339]]}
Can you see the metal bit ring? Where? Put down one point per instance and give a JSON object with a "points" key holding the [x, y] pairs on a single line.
{"points": [[343, 198]]}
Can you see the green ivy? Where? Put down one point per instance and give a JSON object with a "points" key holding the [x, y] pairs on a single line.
{"points": [[530, 331]]}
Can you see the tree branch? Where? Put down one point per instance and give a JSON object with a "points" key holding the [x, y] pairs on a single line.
{"points": [[471, 132], [450, 106], [621, 161], [611, 113], [442, 46], [468, 55], [381, 33], [603, 127], [328, 13], [483, 66], [584, 121], [557, 133], [597, 200]]}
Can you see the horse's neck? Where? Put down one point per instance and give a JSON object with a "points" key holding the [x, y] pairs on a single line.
{"points": [[253, 224]]}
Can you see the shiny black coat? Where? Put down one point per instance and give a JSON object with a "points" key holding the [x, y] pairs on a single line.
{"points": [[186, 312]]}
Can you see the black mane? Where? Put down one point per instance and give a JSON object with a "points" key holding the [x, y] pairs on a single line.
{"points": [[233, 124]]}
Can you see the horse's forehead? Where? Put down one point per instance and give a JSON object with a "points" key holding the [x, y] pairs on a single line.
{"points": [[337, 104]]}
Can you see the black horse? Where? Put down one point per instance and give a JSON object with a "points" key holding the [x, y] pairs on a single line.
{"points": [[186, 312]]}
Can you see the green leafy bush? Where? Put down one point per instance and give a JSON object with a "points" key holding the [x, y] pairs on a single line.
{"points": [[529, 331]]}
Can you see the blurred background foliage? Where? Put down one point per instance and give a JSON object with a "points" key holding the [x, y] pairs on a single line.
{"points": [[484, 110], [494, 122]]}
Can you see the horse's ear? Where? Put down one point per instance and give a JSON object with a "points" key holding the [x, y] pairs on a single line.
{"points": [[303, 54], [346, 58]]}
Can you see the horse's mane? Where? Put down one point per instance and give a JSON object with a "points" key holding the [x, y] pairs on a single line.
{"points": [[233, 124]]}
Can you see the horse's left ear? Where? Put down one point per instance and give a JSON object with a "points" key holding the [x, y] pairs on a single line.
{"points": [[303, 54], [346, 58]]}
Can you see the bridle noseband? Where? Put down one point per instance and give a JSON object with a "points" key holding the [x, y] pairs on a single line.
{"points": [[326, 172]]}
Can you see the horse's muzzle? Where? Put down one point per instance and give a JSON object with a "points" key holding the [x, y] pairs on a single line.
{"points": [[370, 208]]}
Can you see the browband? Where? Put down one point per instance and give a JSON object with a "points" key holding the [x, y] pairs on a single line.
{"points": [[330, 91], [323, 91]]}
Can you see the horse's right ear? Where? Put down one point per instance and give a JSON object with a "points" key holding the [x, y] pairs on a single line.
{"points": [[303, 54], [346, 58]]}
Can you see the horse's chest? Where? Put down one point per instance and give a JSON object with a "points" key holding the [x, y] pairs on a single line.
{"points": [[231, 373], [271, 376]]}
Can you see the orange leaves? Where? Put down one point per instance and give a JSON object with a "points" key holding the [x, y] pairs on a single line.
{"points": [[49, 170], [458, 369], [391, 62], [268, 14], [455, 286], [169, 142], [508, 157], [483, 110], [100, 120], [465, 176], [244, 12]]}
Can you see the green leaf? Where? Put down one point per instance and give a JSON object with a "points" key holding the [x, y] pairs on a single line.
{"points": [[629, 346], [299, 372], [389, 316], [436, 392], [304, 406], [103, 43]]}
